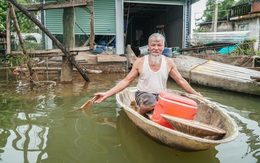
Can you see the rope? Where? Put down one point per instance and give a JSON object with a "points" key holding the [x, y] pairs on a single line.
{"points": [[194, 68]]}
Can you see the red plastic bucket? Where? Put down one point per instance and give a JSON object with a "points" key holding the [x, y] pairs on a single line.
{"points": [[175, 105]]}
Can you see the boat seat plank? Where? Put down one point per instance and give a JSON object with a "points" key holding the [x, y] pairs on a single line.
{"points": [[194, 128]]}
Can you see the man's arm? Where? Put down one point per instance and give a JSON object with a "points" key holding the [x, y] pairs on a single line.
{"points": [[101, 96], [175, 74]]}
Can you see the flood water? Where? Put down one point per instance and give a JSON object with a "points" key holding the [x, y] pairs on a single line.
{"points": [[37, 125]]}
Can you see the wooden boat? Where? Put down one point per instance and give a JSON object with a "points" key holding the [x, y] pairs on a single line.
{"points": [[207, 113], [219, 75]]}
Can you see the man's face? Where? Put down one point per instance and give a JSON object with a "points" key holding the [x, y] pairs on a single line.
{"points": [[156, 47]]}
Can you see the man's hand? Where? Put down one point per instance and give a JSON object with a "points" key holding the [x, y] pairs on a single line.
{"points": [[100, 96]]}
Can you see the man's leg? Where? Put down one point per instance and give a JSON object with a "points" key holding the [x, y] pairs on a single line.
{"points": [[146, 101]]}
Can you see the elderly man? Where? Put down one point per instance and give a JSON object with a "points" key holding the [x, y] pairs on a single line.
{"points": [[152, 71]]}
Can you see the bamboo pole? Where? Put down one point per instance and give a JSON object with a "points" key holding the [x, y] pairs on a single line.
{"points": [[17, 27], [21, 40], [56, 42], [127, 19], [8, 32]]}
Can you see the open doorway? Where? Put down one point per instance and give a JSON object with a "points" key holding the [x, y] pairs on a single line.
{"points": [[141, 20]]}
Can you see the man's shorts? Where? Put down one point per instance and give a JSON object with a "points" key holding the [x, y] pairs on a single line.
{"points": [[145, 99]]}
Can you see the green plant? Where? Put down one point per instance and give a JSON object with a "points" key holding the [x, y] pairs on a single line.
{"points": [[17, 60], [244, 48], [26, 25], [200, 30]]}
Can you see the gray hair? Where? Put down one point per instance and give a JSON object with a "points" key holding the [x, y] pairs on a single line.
{"points": [[156, 36]]}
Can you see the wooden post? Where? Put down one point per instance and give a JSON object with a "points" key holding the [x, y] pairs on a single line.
{"points": [[16, 24], [55, 41], [91, 37], [92, 33], [215, 18], [69, 42], [127, 21], [8, 32], [252, 49], [21, 40]]}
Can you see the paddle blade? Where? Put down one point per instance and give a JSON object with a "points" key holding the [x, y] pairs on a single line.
{"points": [[89, 103]]}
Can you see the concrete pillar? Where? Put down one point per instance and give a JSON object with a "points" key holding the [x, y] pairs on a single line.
{"points": [[120, 47]]}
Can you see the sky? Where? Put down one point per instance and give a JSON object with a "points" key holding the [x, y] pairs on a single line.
{"points": [[197, 11]]}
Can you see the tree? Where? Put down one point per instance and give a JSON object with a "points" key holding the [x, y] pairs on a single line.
{"points": [[208, 12], [3, 8], [243, 1], [26, 25], [223, 8]]}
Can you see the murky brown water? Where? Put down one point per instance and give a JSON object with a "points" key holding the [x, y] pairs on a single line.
{"points": [[36, 126]]}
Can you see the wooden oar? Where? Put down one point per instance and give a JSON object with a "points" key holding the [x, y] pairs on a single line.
{"points": [[86, 105], [89, 103]]}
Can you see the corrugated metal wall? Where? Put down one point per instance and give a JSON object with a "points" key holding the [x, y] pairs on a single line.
{"points": [[104, 19], [54, 21]]}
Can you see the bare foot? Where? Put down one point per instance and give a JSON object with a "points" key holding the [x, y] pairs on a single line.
{"points": [[135, 106]]}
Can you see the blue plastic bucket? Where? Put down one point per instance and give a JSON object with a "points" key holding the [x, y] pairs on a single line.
{"points": [[167, 52]]}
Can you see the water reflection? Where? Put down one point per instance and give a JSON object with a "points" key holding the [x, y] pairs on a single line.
{"points": [[83, 137], [24, 120], [247, 144], [4, 134], [140, 148], [245, 110], [26, 141]]}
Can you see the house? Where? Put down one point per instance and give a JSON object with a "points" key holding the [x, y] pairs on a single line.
{"points": [[247, 17], [244, 17], [121, 22]]}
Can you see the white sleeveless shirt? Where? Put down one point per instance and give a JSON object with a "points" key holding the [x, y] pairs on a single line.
{"points": [[151, 81]]}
